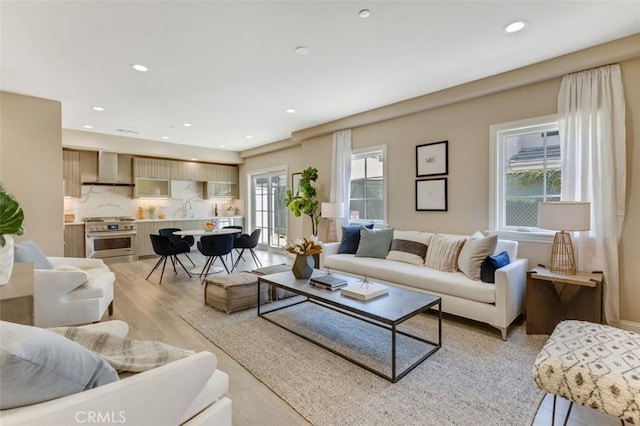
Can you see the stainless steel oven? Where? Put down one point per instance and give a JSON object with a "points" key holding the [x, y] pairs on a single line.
{"points": [[112, 239]]}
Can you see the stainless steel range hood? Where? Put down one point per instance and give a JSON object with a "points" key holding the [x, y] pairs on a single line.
{"points": [[108, 170]]}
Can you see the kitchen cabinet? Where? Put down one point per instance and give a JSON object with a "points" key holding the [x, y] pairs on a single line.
{"points": [[154, 168], [221, 190], [153, 188], [188, 170], [144, 230], [74, 240], [71, 173], [222, 182]]}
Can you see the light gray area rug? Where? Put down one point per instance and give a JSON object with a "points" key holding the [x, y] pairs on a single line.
{"points": [[474, 379]]}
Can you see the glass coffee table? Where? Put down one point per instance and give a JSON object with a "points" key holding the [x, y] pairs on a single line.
{"points": [[388, 312]]}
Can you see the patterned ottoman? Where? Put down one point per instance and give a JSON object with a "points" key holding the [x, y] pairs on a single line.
{"points": [[593, 365]]}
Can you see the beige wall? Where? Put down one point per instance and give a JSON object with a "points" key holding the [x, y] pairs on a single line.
{"points": [[31, 166], [290, 159], [465, 125]]}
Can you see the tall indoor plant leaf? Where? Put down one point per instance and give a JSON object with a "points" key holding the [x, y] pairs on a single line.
{"points": [[11, 216], [306, 201]]}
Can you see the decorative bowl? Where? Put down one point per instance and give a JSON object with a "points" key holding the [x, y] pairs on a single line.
{"points": [[209, 226]]}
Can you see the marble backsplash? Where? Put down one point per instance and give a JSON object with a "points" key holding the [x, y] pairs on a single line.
{"points": [[186, 201]]}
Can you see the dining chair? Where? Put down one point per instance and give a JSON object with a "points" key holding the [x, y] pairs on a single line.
{"points": [[215, 246], [235, 237], [189, 239], [165, 248], [248, 242]]}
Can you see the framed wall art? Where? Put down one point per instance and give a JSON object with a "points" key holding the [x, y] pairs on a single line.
{"points": [[295, 183], [431, 195], [432, 159]]}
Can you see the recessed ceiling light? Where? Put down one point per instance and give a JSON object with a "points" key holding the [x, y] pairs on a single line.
{"points": [[364, 13], [302, 50], [87, 126], [164, 137], [186, 124], [139, 67], [97, 108], [515, 26], [248, 137], [223, 146], [291, 110], [194, 159]]}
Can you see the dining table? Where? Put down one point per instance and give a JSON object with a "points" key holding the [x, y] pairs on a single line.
{"points": [[202, 232]]}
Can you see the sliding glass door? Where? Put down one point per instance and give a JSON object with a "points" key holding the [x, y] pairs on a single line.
{"points": [[269, 212]]}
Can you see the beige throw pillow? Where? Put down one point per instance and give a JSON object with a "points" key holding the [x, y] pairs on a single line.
{"points": [[443, 252], [473, 254]]}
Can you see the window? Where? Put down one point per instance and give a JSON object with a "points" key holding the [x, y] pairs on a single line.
{"points": [[368, 187], [526, 169]]}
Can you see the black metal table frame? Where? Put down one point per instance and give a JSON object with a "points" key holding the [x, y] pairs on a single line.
{"points": [[362, 316]]}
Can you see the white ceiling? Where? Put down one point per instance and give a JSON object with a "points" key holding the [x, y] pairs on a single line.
{"points": [[230, 69]]}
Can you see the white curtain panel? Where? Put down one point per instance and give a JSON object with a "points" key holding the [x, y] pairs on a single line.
{"points": [[591, 114], [341, 174]]}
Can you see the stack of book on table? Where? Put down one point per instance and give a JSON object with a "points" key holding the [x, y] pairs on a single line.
{"points": [[328, 282], [364, 291]]}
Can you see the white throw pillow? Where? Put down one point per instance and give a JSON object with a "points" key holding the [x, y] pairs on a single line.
{"points": [[443, 253], [473, 253], [37, 365]]}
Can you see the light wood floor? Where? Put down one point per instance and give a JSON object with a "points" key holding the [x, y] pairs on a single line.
{"points": [[153, 313]]}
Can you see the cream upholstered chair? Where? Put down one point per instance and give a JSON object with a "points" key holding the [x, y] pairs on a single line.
{"points": [[67, 290], [190, 391]]}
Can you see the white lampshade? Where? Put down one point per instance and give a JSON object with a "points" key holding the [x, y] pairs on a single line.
{"points": [[564, 216], [332, 210]]}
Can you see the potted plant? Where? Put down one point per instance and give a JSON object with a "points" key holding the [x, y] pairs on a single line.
{"points": [[11, 218], [304, 249], [306, 201], [152, 211]]}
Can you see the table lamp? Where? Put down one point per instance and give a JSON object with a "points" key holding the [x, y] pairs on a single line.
{"points": [[331, 211], [564, 216]]}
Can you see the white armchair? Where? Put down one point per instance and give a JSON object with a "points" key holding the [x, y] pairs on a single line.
{"points": [[189, 391], [75, 291], [67, 290]]}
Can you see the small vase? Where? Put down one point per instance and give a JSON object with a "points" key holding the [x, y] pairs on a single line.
{"points": [[6, 260], [303, 267]]}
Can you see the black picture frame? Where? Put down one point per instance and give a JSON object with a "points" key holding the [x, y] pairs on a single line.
{"points": [[295, 183], [432, 159], [431, 195]]}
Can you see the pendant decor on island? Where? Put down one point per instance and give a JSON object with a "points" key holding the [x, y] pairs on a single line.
{"points": [[303, 267]]}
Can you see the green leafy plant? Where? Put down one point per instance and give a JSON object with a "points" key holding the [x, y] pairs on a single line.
{"points": [[11, 216], [306, 200]]}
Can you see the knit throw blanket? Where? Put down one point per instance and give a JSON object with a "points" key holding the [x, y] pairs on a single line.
{"points": [[122, 353]]}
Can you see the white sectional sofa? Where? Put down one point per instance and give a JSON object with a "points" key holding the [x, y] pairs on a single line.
{"points": [[189, 391], [495, 304]]}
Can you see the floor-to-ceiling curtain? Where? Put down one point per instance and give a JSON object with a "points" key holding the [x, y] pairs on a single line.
{"points": [[591, 114], [341, 174]]}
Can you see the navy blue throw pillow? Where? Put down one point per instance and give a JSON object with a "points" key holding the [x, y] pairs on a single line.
{"points": [[491, 264], [351, 238]]}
